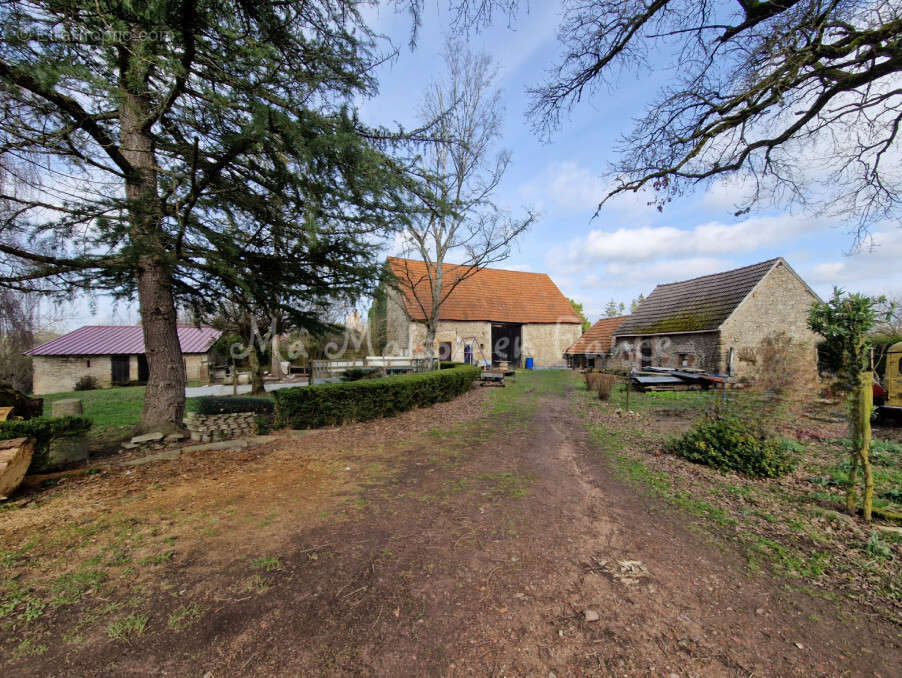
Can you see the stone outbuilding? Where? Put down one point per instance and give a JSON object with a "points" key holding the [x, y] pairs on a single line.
{"points": [[695, 323], [492, 315], [593, 349], [114, 355]]}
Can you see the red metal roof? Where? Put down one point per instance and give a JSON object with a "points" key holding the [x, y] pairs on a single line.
{"points": [[490, 294], [121, 340]]}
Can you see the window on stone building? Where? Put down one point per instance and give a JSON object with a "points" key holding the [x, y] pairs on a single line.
{"points": [[88, 362]]}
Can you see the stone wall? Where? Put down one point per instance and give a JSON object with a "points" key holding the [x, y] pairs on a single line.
{"points": [[196, 367], [209, 427], [56, 374], [546, 343], [457, 333], [397, 332], [701, 350], [780, 303]]}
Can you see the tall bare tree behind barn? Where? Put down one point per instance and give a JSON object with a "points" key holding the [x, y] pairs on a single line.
{"points": [[461, 172]]}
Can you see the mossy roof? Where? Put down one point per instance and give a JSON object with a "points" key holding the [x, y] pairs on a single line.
{"points": [[696, 305]]}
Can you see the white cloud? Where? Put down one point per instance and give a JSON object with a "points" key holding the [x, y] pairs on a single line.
{"points": [[728, 193], [570, 188], [873, 270], [513, 267], [653, 243]]}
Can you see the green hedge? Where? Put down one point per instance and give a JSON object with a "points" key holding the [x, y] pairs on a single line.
{"points": [[42, 430], [358, 373], [332, 404], [231, 405]]}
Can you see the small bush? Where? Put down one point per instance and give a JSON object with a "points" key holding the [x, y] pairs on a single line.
{"points": [[728, 443], [231, 405], [43, 430], [605, 386], [263, 424], [602, 383], [358, 373], [333, 404], [86, 383]]}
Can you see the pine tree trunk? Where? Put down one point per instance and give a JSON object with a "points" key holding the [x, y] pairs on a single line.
{"points": [[253, 359], [275, 368], [164, 399]]}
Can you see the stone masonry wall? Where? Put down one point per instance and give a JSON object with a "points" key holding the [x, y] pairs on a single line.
{"points": [[57, 374], [546, 343], [458, 334], [700, 350], [779, 304], [196, 367], [397, 333], [207, 428]]}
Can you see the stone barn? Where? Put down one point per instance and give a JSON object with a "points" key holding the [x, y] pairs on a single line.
{"points": [[694, 323], [114, 355], [493, 315], [593, 349]]}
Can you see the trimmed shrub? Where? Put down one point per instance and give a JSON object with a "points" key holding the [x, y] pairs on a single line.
{"points": [[333, 404], [231, 405], [358, 373], [43, 430], [86, 383], [728, 443]]}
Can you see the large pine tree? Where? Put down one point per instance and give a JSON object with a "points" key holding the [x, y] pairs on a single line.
{"points": [[175, 150]]}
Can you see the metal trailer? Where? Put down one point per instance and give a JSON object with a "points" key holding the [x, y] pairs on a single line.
{"points": [[890, 411]]}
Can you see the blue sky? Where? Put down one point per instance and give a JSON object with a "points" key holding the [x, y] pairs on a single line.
{"points": [[629, 247]]}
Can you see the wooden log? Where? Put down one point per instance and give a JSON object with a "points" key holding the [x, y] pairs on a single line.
{"points": [[15, 456], [23, 406]]}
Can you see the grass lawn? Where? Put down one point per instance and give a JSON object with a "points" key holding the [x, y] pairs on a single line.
{"points": [[117, 407], [793, 525], [114, 411]]}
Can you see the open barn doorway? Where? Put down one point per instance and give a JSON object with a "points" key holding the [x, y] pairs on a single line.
{"points": [[506, 343]]}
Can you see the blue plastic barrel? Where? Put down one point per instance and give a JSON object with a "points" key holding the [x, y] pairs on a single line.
{"points": [[529, 363]]}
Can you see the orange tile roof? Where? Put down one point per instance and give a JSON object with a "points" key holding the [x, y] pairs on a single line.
{"points": [[597, 339], [489, 294]]}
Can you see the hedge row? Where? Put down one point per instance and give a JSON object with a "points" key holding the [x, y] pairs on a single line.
{"points": [[333, 404], [43, 430], [230, 405]]}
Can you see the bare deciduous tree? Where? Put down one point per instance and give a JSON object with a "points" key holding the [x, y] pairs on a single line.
{"points": [[462, 172], [800, 97]]}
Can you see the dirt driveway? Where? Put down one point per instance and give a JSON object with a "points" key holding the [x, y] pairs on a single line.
{"points": [[480, 537]]}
